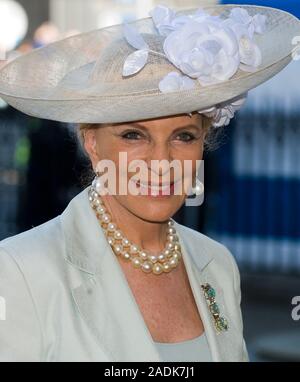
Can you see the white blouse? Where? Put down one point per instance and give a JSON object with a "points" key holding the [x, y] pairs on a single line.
{"points": [[194, 350]]}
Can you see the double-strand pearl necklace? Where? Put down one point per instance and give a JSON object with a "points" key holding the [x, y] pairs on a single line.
{"points": [[164, 262]]}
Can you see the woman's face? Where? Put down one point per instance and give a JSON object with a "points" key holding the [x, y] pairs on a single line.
{"points": [[177, 138]]}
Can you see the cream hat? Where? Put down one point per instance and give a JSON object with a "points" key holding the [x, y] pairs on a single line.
{"points": [[168, 64]]}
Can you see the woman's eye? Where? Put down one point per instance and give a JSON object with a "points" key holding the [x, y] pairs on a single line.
{"points": [[185, 137], [132, 135]]}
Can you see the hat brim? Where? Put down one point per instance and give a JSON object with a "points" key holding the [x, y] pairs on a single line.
{"points": [[65, 81]]}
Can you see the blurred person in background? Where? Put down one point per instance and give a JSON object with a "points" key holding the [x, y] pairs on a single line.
{"points": [[45, 34], [53, 162]]}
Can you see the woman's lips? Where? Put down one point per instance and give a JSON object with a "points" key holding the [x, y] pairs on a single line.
{"points": [[156, 190]]}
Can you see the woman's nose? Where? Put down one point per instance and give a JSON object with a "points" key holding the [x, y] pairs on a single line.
{"points": [[160, 158]]}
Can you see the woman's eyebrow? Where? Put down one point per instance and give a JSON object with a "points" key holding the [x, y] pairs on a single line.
{"points": [[145, 129], [133, 124], [136, 124], [197, 127]]}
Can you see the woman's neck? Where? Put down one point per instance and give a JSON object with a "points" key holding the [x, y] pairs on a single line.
{"points": [[150, 236]]}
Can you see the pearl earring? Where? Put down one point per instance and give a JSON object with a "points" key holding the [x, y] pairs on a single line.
{"points": [[199, 187], [97, 183]]}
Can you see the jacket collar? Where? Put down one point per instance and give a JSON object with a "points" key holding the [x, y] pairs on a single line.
{"points": [[103, 296]]}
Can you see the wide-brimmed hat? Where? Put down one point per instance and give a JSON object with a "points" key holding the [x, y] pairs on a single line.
{"points": [[203, 60]]}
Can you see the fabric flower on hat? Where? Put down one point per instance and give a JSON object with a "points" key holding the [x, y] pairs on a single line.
{"points": [[204, 47], [250, 54], [175, 81], [166, 20], [205, 51], [254, 24], [222, 113]]}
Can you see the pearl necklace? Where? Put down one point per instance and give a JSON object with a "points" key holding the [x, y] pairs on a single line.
{"points": [[164, 262]]}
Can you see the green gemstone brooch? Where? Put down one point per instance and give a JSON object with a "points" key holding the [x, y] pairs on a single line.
{"points": [[221, 323]]}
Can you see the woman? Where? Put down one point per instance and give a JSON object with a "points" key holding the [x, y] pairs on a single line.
{"points": [[114, 277]]}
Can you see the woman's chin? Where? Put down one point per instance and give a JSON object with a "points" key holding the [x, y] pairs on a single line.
{"points": [[155, 209]]}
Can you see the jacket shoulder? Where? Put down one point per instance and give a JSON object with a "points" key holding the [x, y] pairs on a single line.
{"points": [[42, 245], [27, 278]]}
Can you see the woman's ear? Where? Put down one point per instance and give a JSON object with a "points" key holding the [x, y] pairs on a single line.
{"points": [[90, 144]]}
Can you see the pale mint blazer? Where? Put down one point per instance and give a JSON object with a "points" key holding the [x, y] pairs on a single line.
{"points": [[67, 298]]}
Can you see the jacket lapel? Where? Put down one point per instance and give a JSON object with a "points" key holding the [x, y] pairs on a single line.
{"points": [[197, 260], [100, 290], [110, 311], [104, 298]]}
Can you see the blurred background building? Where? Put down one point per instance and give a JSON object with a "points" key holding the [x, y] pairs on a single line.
{"points": [[252, 182]]}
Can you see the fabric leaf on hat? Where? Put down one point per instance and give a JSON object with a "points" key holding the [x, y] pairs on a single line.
{"points": [[135, 62], [162, 17], [134, 38]]}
